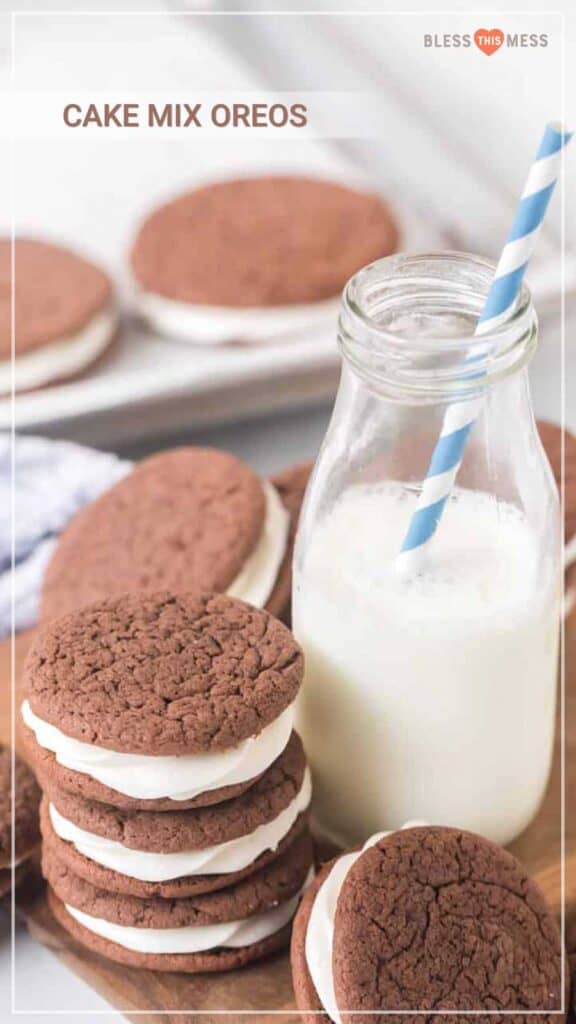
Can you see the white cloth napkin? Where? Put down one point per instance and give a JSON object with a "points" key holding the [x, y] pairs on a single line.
{"points": [[52, 481]]}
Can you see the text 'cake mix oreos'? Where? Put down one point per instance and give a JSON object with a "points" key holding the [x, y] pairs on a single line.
{"points": [[187, 519], [65, 314], [256, 259], [426, 920], [161, 728]]}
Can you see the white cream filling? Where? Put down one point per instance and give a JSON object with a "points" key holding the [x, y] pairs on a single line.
{"points": [[220, 325], [194, 938], [147, 777], [319, 942], [62, 358], [223, 858], [255, 581]]}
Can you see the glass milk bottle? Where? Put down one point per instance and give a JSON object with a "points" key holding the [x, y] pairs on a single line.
{"points": [[429, 695]]}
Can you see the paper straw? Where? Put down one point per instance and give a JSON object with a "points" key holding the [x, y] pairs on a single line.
{"points": [[461, 416]]}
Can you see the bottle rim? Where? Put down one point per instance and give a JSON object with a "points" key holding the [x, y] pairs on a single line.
{"points": [[434, 283]]}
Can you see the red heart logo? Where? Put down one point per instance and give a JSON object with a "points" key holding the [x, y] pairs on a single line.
{"points": [[488, 40]]}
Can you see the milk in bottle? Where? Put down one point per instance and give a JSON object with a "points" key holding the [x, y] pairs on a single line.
{"points": [[431, 695]]}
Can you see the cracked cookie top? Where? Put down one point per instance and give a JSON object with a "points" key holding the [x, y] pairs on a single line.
{"points": [[186, 519], [439, 919], [305, 237], [163, 674], [56, 293]]}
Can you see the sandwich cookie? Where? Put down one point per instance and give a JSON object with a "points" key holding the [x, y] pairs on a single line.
{"points": [[65, 314], [256, 259], [161, 700], [551, 436], [189, 519], [218, 931], [15, 862], [291, 485], [176, 853], [425, 919]]}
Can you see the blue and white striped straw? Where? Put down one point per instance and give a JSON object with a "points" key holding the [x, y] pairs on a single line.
{"points": [[460, 417]]}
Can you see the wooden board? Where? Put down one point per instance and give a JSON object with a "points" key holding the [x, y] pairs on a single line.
{"points": [[258, 993]]}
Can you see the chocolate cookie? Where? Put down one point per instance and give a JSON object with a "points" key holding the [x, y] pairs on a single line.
{"points": [[25, 817], [291, 486], [176, 830], [64, 313], [185, 519], [176, 888], [261, 242], [223, 959], [435, 919], [163, 675], [305, 994], [278, 881]]}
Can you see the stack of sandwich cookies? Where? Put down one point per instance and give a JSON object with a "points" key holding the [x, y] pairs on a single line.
{"points": [[205, 932], [181, 852], [17, 849], [422, 920], [161, 729], [188, 519], [256, 259], [65, 315]]}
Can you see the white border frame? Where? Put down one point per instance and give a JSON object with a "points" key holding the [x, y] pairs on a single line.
{"points": [[12, 196]]}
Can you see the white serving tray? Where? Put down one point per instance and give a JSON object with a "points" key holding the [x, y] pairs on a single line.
{"points": [[93, 195], [151, 385]]}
